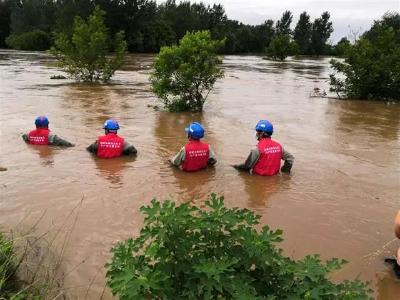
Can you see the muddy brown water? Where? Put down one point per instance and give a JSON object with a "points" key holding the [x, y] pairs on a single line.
{"points": [[339, 201]]}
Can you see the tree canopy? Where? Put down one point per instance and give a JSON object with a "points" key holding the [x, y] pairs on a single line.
{"points": [[148, 26], [371, 67]]}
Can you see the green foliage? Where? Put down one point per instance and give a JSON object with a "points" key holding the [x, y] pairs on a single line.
{"points": [[185, 74], [281, 47], [31, 40], [302, 33], [371, 68], [5, 18], [86, 56], [148, 26], [8, 265], [342, 47], [186, 252], [320, 33], [283, 25]]}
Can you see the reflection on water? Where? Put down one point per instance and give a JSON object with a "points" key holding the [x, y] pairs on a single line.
{"points": [[111, 169], [259, 189], [388, 287], [378, 119], [338, 201], [45, 154]]}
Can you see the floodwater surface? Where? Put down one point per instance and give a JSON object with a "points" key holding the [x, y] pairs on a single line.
{"points": [[340, 199]]}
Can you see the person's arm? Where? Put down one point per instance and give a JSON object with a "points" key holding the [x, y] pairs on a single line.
{"points": [[397, 225], [93, 148], [289, 160], [129, 149], [251, 160], [212, 159], [25, 137], [54, 140], [179, 158]]}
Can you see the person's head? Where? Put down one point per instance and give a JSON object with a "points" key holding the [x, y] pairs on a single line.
{"points": [[42, 122], [264, 129], [195, 131], [111, 126]]}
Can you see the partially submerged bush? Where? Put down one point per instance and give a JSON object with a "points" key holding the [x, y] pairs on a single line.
{"points": [[281, 47], [86, 56], [185, 74], [185, 252], [31, 40], [371, 67]]}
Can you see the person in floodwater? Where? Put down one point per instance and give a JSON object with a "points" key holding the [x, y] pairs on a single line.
{"points": [[42, 136], [396, 262], [111, 144], [266, 159], [195, 155]]}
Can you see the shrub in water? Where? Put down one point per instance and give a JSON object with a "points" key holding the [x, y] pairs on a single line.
{"points": [[32, 40], [185, 74], [371, 67], [186, 252], [86, 57]]}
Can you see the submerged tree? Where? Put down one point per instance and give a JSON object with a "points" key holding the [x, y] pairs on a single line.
{"points": [[281, 47], [188, 252], [185, 74], [86, 56], [371, 67]]}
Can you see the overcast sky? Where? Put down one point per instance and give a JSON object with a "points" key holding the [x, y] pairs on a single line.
{"points": [[344, 13]]}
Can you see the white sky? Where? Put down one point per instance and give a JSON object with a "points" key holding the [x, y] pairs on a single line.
{"points": [[344, 13]]}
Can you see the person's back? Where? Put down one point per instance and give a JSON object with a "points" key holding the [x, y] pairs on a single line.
{"points": [[269, 162], [195, 155], [266, 159], [42, 135], [39, 136], [111, 145]]}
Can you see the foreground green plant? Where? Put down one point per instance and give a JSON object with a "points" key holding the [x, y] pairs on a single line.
{"points": [[186, 252], [86, 56], [371, 67], [185, 74]]}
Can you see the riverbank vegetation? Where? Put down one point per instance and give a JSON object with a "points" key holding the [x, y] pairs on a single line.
{"points": [[213, 252], [28, 269], [148, 26], [184, 75], [371, 67], [85, 56]]}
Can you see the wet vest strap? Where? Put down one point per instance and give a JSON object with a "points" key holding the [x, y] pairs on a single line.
{"points": [[269, 161], [110, 145], [39, 136], [196, 156]]}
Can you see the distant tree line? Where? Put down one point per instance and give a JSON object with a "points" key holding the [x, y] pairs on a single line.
{"points": [[149, 26]]}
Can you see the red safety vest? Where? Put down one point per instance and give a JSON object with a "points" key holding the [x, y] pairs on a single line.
{"points": [[110, 145], [196, 156], [269, 161], [39, 136]]}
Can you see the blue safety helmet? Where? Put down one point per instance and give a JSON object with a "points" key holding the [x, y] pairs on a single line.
{"points": [[42, 121], [195, 130], [111, 124], [265, 126]]}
